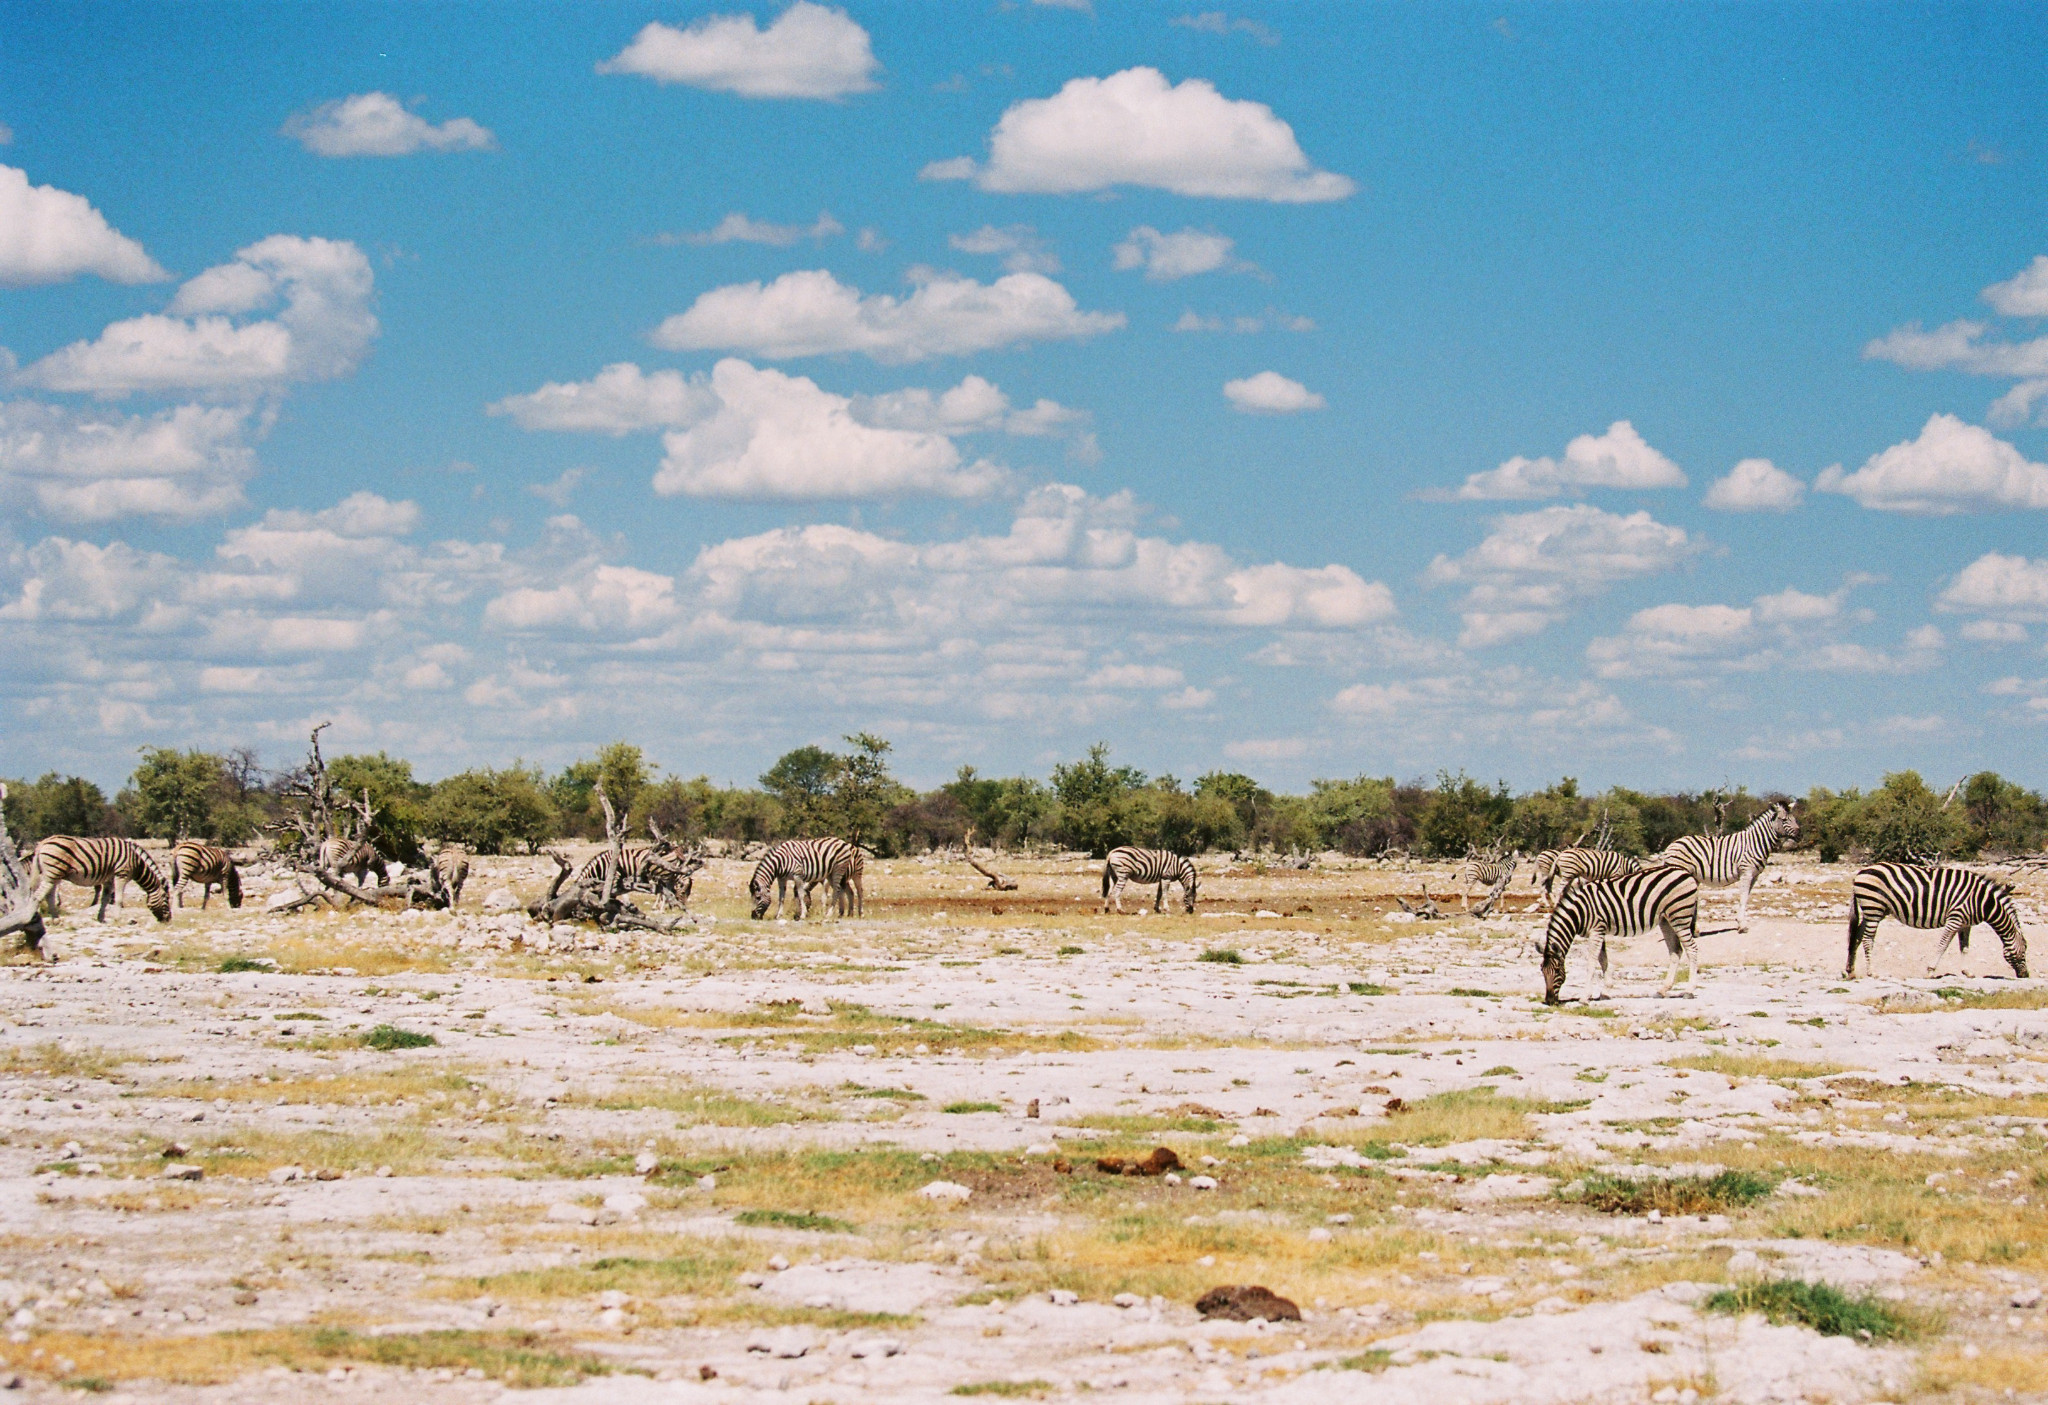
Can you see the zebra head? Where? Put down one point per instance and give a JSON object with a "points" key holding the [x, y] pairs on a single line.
{"points": [[1567, 920], [1782, 822], [153, 883], [760, 887], [1191, 879]]}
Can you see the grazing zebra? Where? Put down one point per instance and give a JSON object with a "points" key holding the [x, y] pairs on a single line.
{"points": [[1665, 898], [1953, 899], [803, 864], [1718, 860], [353, 858], [1485, 870], [210, 866], [1570, 865], [451, 867], [1129, 865], [102, 865], [646, 868]]}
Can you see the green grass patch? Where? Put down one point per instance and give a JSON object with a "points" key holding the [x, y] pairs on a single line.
{"points": [[1756, 1066], [1365, 988], [519, 1359], [972, 1107], [390, 1036], [1006, 1388], [1377, 1359], [856, 1090], [243, 963], [1143, 1125], [1222, 956], [1825, 1309], [1677, 1195], [792, 1219], [1499, 1071], [1473, 992], [298, 1015], [1071, 951]]}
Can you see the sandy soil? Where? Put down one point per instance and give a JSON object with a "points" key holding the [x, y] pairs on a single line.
{"points": [[696, 1167]]}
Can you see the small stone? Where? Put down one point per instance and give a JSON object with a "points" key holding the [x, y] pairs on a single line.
{"points": [[176, 1149], [627, 1204], [2027, 1297], [71, 1152], [1319, 1235], [1239, 1140], [778, 1263], [707, 1182], [753, 1280], [197, 1115], [948, 1192], [1063, 1297], [644, 1163], [875, 1346], [1202, 1182], [501, 900], [1031, 1108], [328, 1173], [786, 1343], [1040, 1149], [1128, 1300], [562, 1212], [1170, 1178], [91, 1168], [245, 1298], [184, 1173], [612, 1317], [337, 1373], [284, 1175], [1342, 1217], [1244, 1302], [384, 1173], [1657, 1217]]}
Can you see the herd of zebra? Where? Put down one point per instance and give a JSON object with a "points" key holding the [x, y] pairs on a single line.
{"points": [[1603, 894]]}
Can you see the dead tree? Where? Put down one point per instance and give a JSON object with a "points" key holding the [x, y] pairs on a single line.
{"points": [[18, 909], [995, 880], [314, 821], [608, 907], [1428, 911], [1498, 892]]}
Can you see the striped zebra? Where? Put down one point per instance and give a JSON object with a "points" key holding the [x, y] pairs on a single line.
{"points": [[1128, 865], [1717, 860], [645, 868], [208, 865], [802, 864], [102, 865], [1485, 870], [1568, 866], [1919, 895], [451, 868], [1664, 898], [352, 858]]}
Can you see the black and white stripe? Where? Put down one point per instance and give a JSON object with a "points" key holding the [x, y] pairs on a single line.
{"points": [[208, 865], [643, 868], [803, 864], [355, 859], [1919, 895], [102, 865], [1486, 870], [1717, 860], [451, 867], [1568, 866], [1128, 865], [1664, 898]]}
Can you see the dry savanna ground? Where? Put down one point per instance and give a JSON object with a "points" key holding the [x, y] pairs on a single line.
{"points": [[856, 1160]]}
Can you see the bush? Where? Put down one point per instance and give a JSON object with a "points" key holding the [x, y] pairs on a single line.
{"points": [[396, 799], [1094, 812], [390, 1036], [58, 804], [1227, 956], [491, 811], [1677, 1195], [1827, 1310], [187, 795], [1903, 820], [1463, 814]]}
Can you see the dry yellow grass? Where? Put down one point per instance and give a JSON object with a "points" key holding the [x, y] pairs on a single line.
{"points": [[364, 1087], [2006, 1370], [1758, 1066], [53, 1060]]}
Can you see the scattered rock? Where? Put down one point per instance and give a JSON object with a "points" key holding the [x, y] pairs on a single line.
{"points": [[950, 1192], [1395, 1104], [1201, 1183], [784, 1343], [1158, 1163], [328, 1173], [778, 1263], [1063, 1297], [875, 1346], [176, 1149], [1128, 1300], [562, 1212], [2027, 1297], [501, 900], [627, 1204], [645, 1163], [1031, 1108], [71, 1152], [1246, 1302], [285, 1175]]}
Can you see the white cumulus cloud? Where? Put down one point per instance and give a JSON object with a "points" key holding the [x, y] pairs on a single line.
{"points": [[1270, 393], [1950, 467], [1165, 257], [2011, 587], [809, 51], [322, 331], [620, 399], [2025, 294], [1520, 578], [378, 124], [779, 436], [1135, 128], [1617, 459], [1755, 485], [738, 228], [1019, 246], [811, 313], [972, 406], [605, 599], [184, 463], [48, 235]]}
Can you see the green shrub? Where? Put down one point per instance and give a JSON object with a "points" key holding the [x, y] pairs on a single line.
{"points": [[1678, 1195], [1827, 1310], [1227, 956], [390, 1036], [973, 1107], [792, 1219]]}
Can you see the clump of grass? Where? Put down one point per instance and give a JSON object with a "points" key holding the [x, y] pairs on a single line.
{"points": [[53, 1060], [245, 963], [518, 1358], [1755, 1066], [1008, 1388], [1466, 1114], [856, 1090], [1222, 956], [1070, 951], [1499, 1071], [299, 1015], [1955, 997], [972, 1107], [1365, 988], [1678, 1195], [1473, 992], [792, 1219], [389, 1036], [1827, 1310], [1376, 1359]]}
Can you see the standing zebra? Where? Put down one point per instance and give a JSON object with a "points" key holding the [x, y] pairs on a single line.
{"points": [[102, 865], [355, 858], [803, 864], [645, 868], [1486, 870], [1953, 899], [1570, 865], [1665, 898], [1718, 860], [1128, 865], [210, 866], [451, 868]]}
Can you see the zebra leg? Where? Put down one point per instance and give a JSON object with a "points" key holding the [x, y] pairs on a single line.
{"points": [[1855, 935], [1749, 876], [1116, 894], [1949, 932], [1159, 897], [107, 892], [1600, 981], [1673, 947]]}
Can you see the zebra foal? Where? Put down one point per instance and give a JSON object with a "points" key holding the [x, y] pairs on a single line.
{"points": [[208, 865], [102, 865], [1128, 865], [1953, 899], [1664, 898], [802, 864], [1717, 860]]}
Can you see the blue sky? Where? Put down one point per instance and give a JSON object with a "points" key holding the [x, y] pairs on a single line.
{"points": [[1307, 390]]}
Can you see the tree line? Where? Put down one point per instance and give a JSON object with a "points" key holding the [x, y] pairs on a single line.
{"points": [[1089, 804]]}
